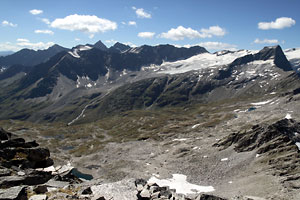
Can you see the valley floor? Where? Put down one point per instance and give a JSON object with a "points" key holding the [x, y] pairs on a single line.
{"points": [[158, 144]]}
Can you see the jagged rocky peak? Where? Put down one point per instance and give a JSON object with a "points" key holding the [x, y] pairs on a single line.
{"points": [[267, 53], [121, 47], [100, 45]]}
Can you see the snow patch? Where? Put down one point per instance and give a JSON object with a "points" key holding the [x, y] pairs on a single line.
{"points": [[181, 139], [74, 53], [261, 103], [298, 145], [180, 184], [195, 126], [224, 159], [288, 116], [84, 48], [89, 85]]}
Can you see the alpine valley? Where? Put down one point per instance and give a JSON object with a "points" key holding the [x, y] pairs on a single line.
{"points": [[221, 125]]}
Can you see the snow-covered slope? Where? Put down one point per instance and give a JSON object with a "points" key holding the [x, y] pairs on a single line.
{"points": [[200, 61], [293, 55], [75, 51]]}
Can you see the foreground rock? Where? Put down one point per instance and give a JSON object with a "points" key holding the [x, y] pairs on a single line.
{"points": [[25, 165]]}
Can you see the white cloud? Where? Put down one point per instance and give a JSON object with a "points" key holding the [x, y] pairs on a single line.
{"points": [[7, 23], [90, 24], [180, 33], [141, 13], [124, 23], [8, 47], [45, 20], [77, 39], [132, 23], [35, 46], [22, 40], [213, 30], [280, 23], [266, 41], [112, 41], [36, 12], [24, 43], [148, 35], [44, 32], [216, 46]]}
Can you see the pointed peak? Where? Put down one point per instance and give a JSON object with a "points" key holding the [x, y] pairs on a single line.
{"points": [[100, 45]]}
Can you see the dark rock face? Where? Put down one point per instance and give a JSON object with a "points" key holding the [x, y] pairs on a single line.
{"points": [[87, 191], [100, 45], [209, 197], [13, 70], [4, 135], [118, 48]]}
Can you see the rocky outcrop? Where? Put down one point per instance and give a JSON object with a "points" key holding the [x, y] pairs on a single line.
{"points": [[278, 143], [152, 191], [24, 165]]}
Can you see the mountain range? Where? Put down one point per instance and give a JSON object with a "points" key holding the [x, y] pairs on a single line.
{"points": [[61, 84]]}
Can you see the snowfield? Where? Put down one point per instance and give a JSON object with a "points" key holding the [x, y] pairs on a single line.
{"points": [[180, 184]]}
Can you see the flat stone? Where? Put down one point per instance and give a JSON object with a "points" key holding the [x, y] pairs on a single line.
{"points": [[20, 173], [11, 181], [139, 187], [11, 193], [145, 193], [38, 197]]}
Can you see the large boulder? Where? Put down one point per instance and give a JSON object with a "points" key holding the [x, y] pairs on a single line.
{"points": [[4, 135]]}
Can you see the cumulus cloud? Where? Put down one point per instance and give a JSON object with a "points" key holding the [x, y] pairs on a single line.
{"points": [[141, 13], [280, 23], [148, 35], [90, 24], [216, 46], [213, 30], [132, 23], [266, 41], [35, 12], [180, 33], [44, 32], [7, 23]]}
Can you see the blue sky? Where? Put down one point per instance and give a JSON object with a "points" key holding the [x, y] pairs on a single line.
{"points": [[214, 24]]}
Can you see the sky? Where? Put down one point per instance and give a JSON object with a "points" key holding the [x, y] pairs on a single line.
{"points": [[214, 24]]}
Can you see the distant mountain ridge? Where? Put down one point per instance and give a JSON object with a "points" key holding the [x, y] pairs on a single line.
{"points": [[28, 57], [122, 78]]}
